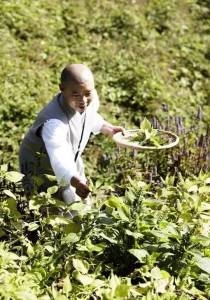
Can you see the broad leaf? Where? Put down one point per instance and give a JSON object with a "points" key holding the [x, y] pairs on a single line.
{"points": [[9, 194], [14, 176], [83, 279], [141, 254], [67, 287], [80, 265], [203, 263], [146, 125]]}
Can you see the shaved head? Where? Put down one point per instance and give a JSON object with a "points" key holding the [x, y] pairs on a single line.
{"points": [[77, 86], [76, 73]]}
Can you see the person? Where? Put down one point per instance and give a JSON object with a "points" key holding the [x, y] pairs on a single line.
{"points": [[54, 143]]}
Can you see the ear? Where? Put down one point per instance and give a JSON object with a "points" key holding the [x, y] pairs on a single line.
{"points": [[61, 86]]}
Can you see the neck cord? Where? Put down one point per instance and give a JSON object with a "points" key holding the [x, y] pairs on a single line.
{"points": [[83, 127]]}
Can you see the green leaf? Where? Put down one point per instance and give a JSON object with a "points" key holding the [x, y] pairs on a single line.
{"points": [[2, 232], [205, 206], [156, 273], [30, 250], [99, 247], [35, 204], [207, 181], [193, 189], [114, 282], [33, 226], [122, 291], [4, 167], [52, 190], [108, 238], [115, 202], [122, 215], [9, 194], [49, 248], [204, 190], [55, 221], [147, 134], [83, 279], [50, 177], [78, 206], [106, 220], [14, 176], [72, 227], [135, 234], [141, 254], [146, 125], [203, 263], [67, 287], [70, 238], [80, 265], [12, 205]]}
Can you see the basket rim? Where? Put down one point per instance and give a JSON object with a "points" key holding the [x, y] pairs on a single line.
{"points": [[118, 138]]}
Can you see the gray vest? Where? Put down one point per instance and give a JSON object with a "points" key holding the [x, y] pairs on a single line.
{"points": [[33, 157]]}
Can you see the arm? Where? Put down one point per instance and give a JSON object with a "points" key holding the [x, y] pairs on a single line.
{"points": [[99, 124], [109, 129], [61, 156]]}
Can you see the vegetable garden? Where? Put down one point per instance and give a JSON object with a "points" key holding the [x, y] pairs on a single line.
{"points": [[148, 235]]}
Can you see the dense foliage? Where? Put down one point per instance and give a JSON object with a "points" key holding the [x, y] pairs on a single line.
{"points": [[148, 235]]}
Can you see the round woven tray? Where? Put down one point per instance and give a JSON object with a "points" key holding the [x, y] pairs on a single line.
{"points": [[123, 140]]}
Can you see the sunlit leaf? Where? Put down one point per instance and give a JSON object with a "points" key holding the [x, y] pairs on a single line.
{"points": [[83, 279], [58, 220], [49, 248], [193, 189], [141, 254], [135, 234], [111, 240], [33, 226], [9, 194], [52, 190], [146, 125], [4, 167], [80, 265], [204, 190], [14, 176], [70, 238], [67, 286], [203, 263]]}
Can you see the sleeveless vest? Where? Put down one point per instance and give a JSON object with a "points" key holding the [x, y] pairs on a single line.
{"points": [[33, 157]]}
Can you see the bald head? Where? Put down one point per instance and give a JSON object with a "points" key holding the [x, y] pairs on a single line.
{"points": [[76, 73], [77, 86]]}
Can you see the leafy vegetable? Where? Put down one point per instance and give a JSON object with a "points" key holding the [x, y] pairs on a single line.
{"points": [[149, 136]]}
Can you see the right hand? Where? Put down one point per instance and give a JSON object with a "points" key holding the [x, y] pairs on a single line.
{"points": [[82, 189]]}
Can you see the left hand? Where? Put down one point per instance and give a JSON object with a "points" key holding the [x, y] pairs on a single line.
{"points": [[110, 129], [116, 129]]}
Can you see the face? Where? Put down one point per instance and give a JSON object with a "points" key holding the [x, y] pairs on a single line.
{"points": [[78, 95]]}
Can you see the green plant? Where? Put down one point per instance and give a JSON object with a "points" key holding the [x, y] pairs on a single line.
{"points": [[147, 237], [149, 136]]}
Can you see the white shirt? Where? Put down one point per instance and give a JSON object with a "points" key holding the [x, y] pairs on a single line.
{"points": [[61, 153]]}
